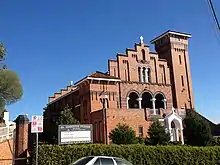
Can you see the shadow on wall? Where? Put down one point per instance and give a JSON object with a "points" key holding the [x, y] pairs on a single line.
{"points": [[6, 152]]}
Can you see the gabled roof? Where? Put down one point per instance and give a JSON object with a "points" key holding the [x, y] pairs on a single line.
{"points": [[173, 113], [99, 76]]}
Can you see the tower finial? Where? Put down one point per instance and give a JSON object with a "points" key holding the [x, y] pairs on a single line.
{"points": [[141, 39]]}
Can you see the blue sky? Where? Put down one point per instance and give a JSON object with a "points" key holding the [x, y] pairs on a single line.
{"points": [[51, 43]]}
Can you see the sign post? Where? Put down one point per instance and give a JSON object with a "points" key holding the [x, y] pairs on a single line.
{"points": [[37, 127]]}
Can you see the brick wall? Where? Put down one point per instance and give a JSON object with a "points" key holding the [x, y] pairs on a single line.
{"points": [[6, 149], [134, 118]]}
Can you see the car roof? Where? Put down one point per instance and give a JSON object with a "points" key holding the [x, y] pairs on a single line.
{"points": [[102, 156]]}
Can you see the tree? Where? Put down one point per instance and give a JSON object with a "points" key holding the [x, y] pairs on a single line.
{"points": [[122, 134], [2, 53], [67, 117], [157, 134], [197, 131], [10, 86]]}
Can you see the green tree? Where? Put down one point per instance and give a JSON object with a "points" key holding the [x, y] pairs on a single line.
{"points": [[2, 54], [10, 86], [197, 131], [157, 134], [67, 117], [122, 134]]}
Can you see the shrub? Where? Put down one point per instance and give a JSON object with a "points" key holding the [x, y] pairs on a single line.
{"points": [[123, 134], [157, 134], [140, 140], [136, 153]]}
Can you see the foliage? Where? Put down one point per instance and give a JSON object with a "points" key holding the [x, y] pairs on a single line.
{"points": [[140, 140], [2, 110], [157, 134], [122, 134], [67, 117], [10, 87], [216, 141], [197, 131], [2, 52], [136, 153]]}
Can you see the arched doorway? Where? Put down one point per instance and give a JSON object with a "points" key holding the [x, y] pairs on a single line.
{"points": [[133, 100], [173, 130], [146, 100], [175, 127], [160, 102]]}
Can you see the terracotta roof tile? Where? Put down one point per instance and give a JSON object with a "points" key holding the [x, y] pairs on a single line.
{"points": [[98, 74]]}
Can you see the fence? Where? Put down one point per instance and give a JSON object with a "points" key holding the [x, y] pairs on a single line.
{"points": [[6, 132]]}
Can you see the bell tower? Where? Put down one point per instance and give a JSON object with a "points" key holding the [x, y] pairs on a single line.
{"points": [[173, 46]]}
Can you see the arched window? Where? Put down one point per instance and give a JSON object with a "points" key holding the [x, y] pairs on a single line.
{"points": [[143, 54], [133, 102], [146, 100], [149, 75], [159, 103], [144, 74], [139, 74]]}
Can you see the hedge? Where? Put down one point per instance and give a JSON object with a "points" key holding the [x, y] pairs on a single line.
{"points": [[137, 154]]}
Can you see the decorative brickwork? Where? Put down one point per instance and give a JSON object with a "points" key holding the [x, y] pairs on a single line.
{"points": [[140, 85]]}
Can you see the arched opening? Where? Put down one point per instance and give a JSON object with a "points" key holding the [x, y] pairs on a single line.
{"points": [[159, 103], [144, 74], [143, 54], [139, 74], [146, 100], [175, 127], [149, 75], [133, 102]]}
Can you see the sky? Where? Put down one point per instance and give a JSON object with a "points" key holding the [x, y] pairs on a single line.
{"points": [[51, 43]]}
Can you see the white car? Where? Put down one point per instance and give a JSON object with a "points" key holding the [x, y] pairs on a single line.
{"points": [[101, 160]]}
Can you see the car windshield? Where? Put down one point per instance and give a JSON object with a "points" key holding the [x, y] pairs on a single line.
{"points": [[83, 160]]}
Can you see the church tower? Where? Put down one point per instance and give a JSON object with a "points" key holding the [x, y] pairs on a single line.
{"points": [[173, 46]]}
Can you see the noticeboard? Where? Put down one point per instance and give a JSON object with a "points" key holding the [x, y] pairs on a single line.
{"points": [[70, 134]]}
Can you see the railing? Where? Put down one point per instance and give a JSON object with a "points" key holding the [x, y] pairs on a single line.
{"points": [[6, 132], [154, 112]]}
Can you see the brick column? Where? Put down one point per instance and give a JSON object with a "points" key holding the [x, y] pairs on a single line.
{"points": [[21, 142]]}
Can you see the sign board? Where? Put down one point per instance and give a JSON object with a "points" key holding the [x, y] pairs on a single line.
{"points": [[37, 124], [69, 134]]}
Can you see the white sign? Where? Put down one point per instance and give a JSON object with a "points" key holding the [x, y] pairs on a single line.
{"points": [[68, 134], [37, 124], [78, 136]]}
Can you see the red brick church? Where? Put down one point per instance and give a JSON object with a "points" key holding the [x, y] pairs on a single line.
{"points": [[140, 85]]}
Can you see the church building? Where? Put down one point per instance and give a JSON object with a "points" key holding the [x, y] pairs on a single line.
{"points": [[140, 85]]}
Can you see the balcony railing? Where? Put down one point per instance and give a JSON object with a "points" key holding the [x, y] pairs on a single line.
{"points": [[154, 112], [6, 132]]}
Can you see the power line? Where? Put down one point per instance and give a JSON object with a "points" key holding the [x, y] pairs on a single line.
{"points": [[214, 14], [215, 20]]}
